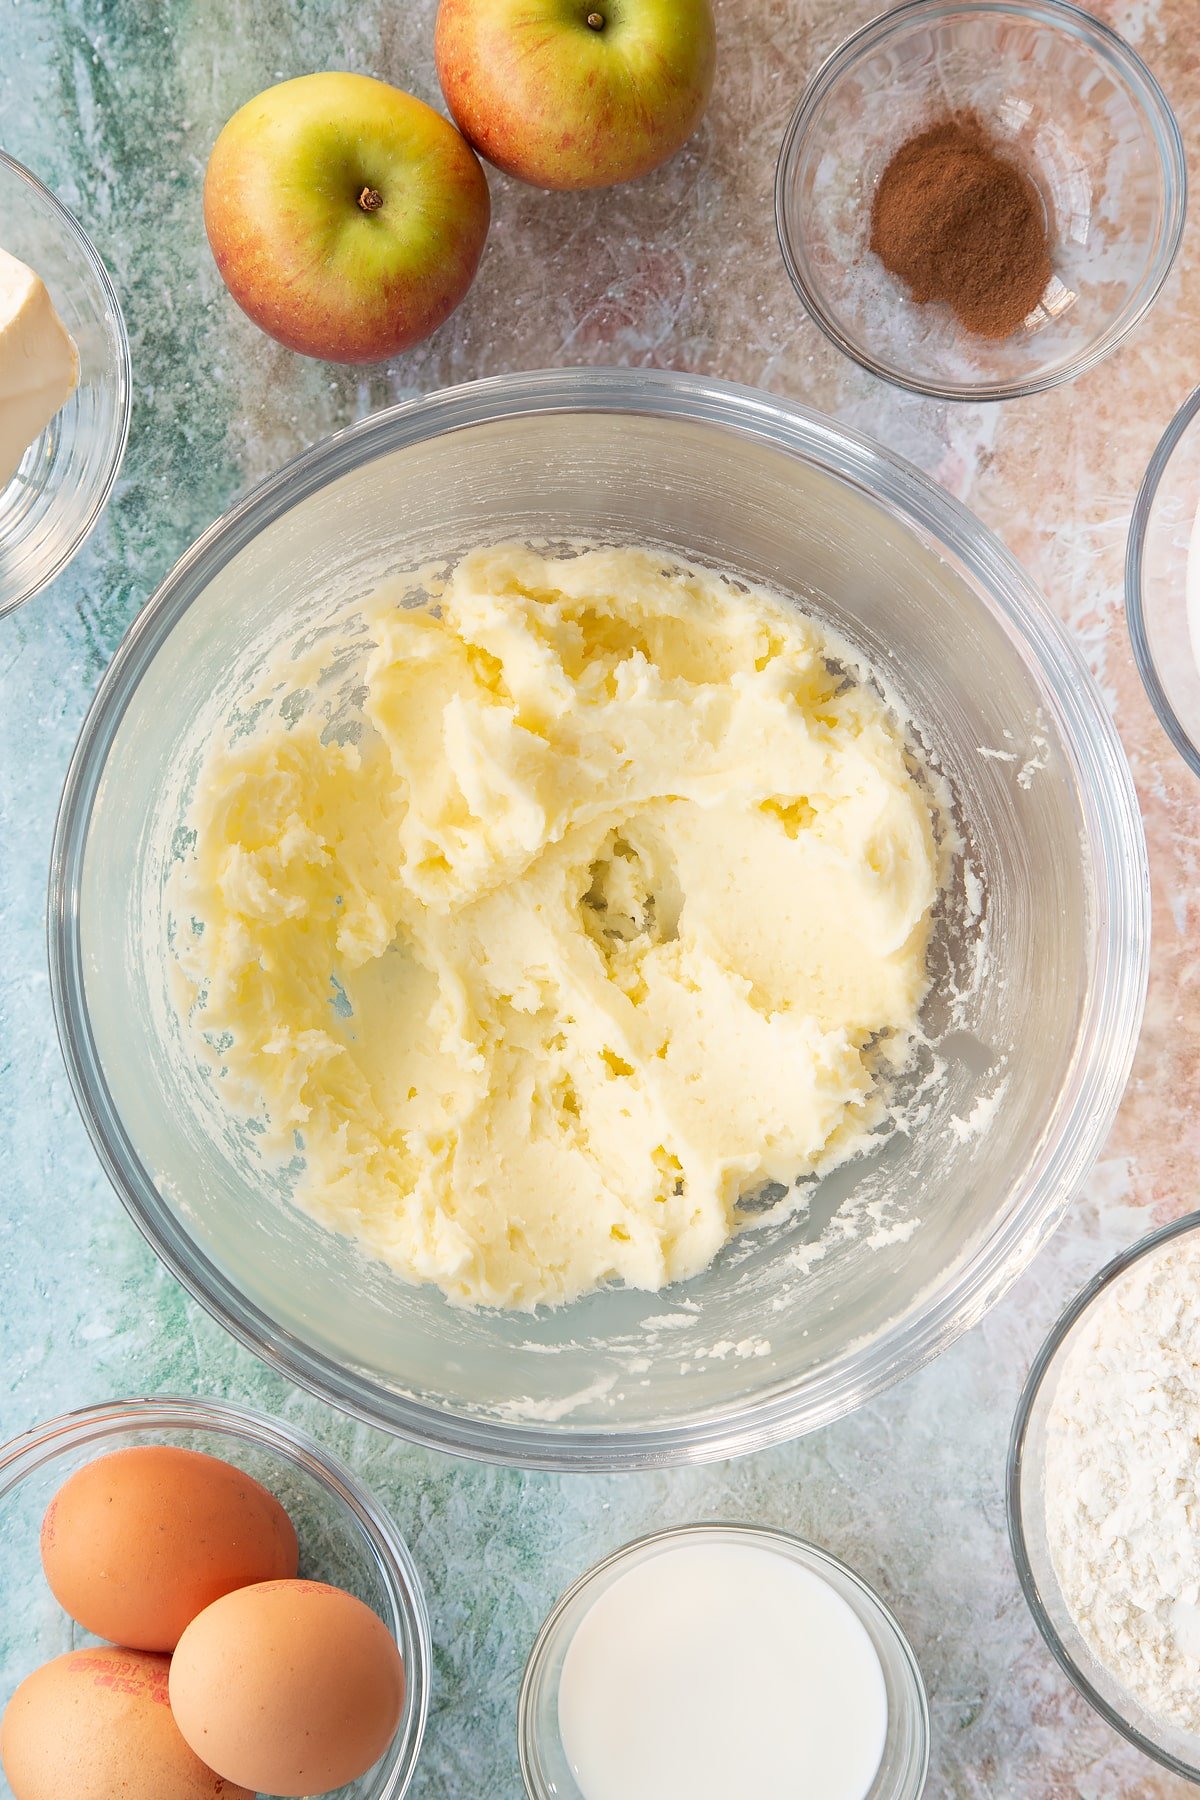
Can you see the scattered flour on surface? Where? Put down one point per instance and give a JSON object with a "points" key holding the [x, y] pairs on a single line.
{"points": [[747, 1347], [1034, 764], [1122, 1480], [561, 1407], [980, 1115]]}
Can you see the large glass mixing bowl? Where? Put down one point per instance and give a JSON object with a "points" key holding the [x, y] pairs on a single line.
{"points": [[1038, 984]]}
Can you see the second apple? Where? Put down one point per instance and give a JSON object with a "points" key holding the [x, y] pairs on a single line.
{"points": [[576, 93], [347, 217]]}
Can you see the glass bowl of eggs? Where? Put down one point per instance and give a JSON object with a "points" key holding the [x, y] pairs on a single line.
{"points": [[209, 1599], [957, 298]]}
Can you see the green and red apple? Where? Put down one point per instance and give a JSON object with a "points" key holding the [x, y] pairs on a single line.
{"points": [[576, 93], [346, 217]]}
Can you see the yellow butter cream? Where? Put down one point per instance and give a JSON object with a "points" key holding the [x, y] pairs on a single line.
{"points": [[598, 927]]}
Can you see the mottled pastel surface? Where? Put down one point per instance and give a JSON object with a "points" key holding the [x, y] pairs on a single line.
{"points": [[115, 103]]}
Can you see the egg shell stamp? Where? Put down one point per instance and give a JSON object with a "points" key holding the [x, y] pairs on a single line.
{"points": [[97, 1725]]}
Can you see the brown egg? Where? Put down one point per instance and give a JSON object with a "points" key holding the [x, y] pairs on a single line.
{"points": [[292, 1687], [97, 1725], [135, 1544]]}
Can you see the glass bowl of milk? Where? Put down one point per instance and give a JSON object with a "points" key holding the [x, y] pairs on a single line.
{"points": [[53, 496], [1162, 581], [714, 1660]]}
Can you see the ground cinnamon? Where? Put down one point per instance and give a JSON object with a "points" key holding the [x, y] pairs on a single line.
{"points": [[956, 221]]}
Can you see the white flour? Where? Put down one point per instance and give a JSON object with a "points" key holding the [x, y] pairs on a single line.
{"points": [[1122, 1480]]}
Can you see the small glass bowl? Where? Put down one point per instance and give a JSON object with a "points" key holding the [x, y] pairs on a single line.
{"points": [[345, 1538], [1162, 581], [65, 477], [1027, 1460], [1074, 106], [544, 1765]]}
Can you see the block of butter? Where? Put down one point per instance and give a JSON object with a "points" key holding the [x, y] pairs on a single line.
{"points": [[39, 364]]}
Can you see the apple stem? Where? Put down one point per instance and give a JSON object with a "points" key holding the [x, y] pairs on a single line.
{"points": [[370, 200], [596, 21]]}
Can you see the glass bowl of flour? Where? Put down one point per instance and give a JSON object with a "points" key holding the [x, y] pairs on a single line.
{"points": [[1036, 962], [1104, 1494]]}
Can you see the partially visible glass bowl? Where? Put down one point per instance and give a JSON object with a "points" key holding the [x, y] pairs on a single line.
{"points": [[545, 1766], [346, 1538], [1162, 581], [1033, 1014], [1070, 101], [1026, 1484], [53, 501]]}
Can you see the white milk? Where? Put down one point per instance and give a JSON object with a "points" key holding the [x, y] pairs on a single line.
{"points": [[722, 1672]]}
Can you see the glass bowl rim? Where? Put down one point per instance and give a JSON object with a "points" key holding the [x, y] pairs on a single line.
{"points": [[124, 393], [917, 1698], [1060, 1331], [1135, 557], [33, 1449], [1164, 127], [1112, 1014]]}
